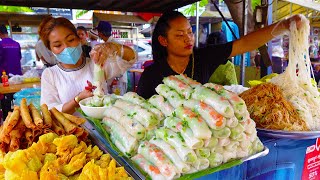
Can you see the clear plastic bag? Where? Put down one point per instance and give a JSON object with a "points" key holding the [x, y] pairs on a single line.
{"points": [[31, 94]]}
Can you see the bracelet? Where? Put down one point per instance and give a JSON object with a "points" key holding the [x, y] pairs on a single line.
{"points": [[77, 99]]}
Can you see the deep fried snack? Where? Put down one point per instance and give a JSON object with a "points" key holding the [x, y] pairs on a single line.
{"points": [[36, 116], [57, 129], [46, 116], [68, 126], [76, 120], [26, 115]]}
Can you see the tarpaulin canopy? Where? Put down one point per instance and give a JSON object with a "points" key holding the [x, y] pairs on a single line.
{"points": [[113, 5], [26, 19]]}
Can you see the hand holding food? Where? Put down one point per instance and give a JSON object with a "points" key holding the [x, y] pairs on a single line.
{"points": [[105, 52]]}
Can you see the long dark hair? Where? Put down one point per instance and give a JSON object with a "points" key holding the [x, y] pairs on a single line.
{"points": [[159, 52]]}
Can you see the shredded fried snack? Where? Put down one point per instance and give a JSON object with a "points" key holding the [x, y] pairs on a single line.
{"points": [[270, 110]]}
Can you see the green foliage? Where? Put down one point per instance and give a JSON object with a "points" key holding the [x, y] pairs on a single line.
{"points": [[15, 9], [80, 13], [255, 3], [191, 11]]}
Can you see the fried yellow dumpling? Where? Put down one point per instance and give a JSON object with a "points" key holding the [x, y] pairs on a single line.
{"points": [[50, 170], [104, 160], [94, 154], [10, 161], [93, 171], [76, 163]]}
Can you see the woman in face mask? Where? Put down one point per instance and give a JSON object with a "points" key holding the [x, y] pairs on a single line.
{"points": [[65, 84]]}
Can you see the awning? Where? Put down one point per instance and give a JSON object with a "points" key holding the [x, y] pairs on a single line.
{"points": [[112, 5], [307, 4], [25, 19], [119, 18]]}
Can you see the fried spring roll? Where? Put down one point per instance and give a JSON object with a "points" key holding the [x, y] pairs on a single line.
{"points": [[36, 116], [4, 137], [47, 130], [46, 116], [29, 136], [20, 125], [15, 135], [68, 126], [76, 120], [57, 129], [83, 136], [78, 132], [12, 120], [3, 147], [26, 115], [36, 132]]}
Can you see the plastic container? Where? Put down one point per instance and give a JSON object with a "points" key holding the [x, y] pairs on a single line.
{"points": [[31, 94]]}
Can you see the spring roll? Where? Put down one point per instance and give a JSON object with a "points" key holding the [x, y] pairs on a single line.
{"points": [[57, 129], [132, 126], [74, 119], [29, 136], [133, 98], [172, 154], [145, 117], [128, 142], [4, 137], [157, 157], [36, 116], [79, 131], [12, 120], [241, 153], [228, 155], [203, 152], [180, 86], [232, 145], [223, 142], [219, 103], [249, 126], [236, 132], [188, 80], [232, 122], [15, 135], [201, 164], [210, 143], [153, 109], [36, 132], [198, 126], [161, 103], [25, 114], [3, 147], [173, 97], [172, 138], [222, 133], [47, 120], [213, 119], [68, 126], [215, 159], [47, 130], [238, 104], [177, 125], [152, 170]]}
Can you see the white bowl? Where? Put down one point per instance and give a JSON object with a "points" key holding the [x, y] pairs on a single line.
{"points": [[94, 112]]}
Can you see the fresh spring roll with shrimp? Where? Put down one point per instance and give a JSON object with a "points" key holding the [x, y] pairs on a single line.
{"points": [[172, 138], [232, 122], [210, 143], [219, 103], [249, 126], [171, 153], [136, 99], [119, 133], [233, 145], [228, 155], [201, 164], [109, 100], [257, 145], [236, 132], [198, 126], [162, 104], [188, 80], [152, 170], [171, 95], [157, 157], [208, 113], [238, 104], [215, 159], [131, 125], [144, 116], [223, 142], [180, 86], [203, 152], [222, 133], [180, 126]]}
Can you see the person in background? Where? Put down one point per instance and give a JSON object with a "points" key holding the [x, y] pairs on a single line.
{"points": [[93, 37], [63, 85], [44, 54], [83, 35], [10, 53], [277, 56], [104, 29], [174, 53]]}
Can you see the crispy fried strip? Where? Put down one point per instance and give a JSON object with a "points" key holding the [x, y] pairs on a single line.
{"points": [[3, 147], [47, 130], [57, 129], [12, 120], [79, 131], [28, 135], [26, 115], [83, 136], [46, 116], [76, 120], [68, 126], [15, 135], [36, 132], [3, 136], [36, 116]]}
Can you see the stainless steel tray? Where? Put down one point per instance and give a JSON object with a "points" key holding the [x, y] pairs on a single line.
{"points": [[288, 134]]}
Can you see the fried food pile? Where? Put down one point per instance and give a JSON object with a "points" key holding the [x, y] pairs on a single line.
{"points": [[25, 124], [59, 157], [270, 110]]}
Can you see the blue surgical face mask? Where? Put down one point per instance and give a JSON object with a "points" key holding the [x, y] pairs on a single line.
{"points": [[70, 55]]}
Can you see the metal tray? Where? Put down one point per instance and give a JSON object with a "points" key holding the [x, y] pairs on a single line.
{"points": [[288, 134], [128, 164]]}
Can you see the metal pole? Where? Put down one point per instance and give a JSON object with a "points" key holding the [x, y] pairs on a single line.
{"points": [[244, 32], [270, 10], [197, 24]]}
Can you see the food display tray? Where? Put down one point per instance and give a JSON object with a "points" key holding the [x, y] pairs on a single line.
{"points": [[288, 134]]}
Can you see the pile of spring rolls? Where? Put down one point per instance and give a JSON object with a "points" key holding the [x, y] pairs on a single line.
{"points": [[25, 124], [187, 127]]}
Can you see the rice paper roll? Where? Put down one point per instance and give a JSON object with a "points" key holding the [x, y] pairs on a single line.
{"points": [[222, 133], [241, 153], [177, 125], [249, 126], [157, 157], [188, 80], [236, 132], [203, 152], [131, 125], [109, 100], [171, 153], [198, 126], [232, 122], [238, 104], [232, 145], [219, 103], [162, 104], [210, 143], [119, 145], [215, 159], [228, 155], [201, 164], [213, 119], [119, 133], [257, 145], [173, 97], [192, 170], [172, 138], [180, 86], [144, 116], [152, 170], [154, 110], [223, 141]]}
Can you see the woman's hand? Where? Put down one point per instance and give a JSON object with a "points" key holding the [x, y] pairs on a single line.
{"points": [[106, 51], [85, 94]]}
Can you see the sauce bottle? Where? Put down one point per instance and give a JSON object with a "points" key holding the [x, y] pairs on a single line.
{"points": [[4, 79]]}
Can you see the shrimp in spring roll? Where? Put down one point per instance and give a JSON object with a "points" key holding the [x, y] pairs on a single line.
{"points": [[180, 86], [152, 170]]}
